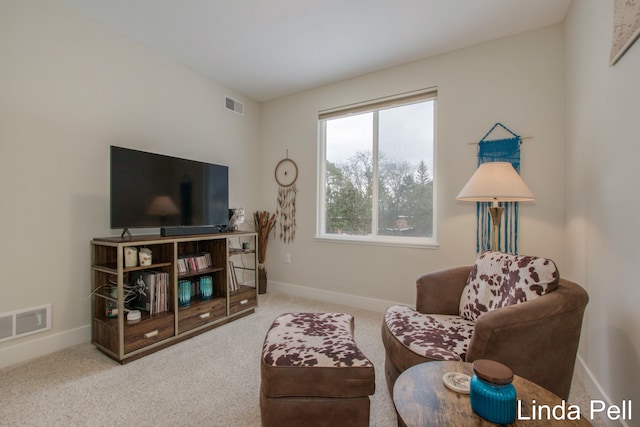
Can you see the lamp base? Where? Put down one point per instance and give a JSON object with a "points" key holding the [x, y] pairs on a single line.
{"points": [[496, 218]]}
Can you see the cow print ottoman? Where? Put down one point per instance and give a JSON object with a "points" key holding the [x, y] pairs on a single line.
{"points": [[313, 374]]}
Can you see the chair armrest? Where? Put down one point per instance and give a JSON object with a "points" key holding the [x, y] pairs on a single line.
{"points": [[439, 292], [524, 321], [538, 339]]}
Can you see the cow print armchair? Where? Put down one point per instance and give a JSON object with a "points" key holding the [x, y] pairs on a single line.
{"points": [[512, 309]]}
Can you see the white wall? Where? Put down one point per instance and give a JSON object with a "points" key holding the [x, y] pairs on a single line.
{"points": [[69, 88], [517, 81], [603, 235]]}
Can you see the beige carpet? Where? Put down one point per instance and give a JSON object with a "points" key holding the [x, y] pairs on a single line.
{"points": [[210, 380]]}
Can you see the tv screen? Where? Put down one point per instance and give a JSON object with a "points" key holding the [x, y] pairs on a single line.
{"points": [[153, 190]]}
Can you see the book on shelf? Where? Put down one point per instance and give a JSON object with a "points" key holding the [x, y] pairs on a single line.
{"points": [[152, 288], [195, 262], [233, 279]]}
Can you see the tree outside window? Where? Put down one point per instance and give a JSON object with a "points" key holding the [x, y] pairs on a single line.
{"points": [[377, 178]]}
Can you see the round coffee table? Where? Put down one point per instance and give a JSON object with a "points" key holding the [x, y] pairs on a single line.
{"points": [[422, 399]]}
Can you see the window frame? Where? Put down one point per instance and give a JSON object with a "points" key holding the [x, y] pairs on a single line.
{"points": [[360, 108]]}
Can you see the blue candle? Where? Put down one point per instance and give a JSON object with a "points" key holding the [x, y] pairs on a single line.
{"points": [[492, 395]]}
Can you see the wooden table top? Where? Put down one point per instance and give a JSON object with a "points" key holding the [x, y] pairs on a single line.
{"points": [[421, 399]]}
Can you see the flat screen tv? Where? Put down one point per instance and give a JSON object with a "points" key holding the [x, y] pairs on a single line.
{"points": [[154, 190]]}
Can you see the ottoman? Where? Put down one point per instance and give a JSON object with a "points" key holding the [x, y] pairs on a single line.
{"points": [[313, 374]]}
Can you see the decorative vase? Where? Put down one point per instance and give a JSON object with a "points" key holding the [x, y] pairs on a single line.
{"points": [[262, 279]]}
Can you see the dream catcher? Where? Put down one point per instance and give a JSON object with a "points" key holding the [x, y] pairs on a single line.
{"points": [[286, 174]]}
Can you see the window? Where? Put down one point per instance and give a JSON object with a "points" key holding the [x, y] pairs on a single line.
{"points": [[376, 165]]}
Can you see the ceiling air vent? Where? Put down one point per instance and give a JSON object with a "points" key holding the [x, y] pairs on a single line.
{"points": [[233, 105]]}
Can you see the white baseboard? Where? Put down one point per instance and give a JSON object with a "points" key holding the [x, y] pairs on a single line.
{"points": [[332, 297], [594, 390], [31, 349]]}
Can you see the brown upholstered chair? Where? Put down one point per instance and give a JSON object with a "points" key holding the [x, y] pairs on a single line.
{"points": [[512, 309]]}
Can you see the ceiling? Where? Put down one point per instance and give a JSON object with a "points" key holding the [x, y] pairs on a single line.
{"points": [[265, 49]]}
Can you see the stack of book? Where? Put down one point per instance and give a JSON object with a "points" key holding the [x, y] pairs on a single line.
{"points": [[196, 262], [152, 288]]}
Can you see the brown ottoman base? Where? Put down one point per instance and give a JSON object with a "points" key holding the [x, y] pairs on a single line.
{"points": [[314, 411], [313, 374]]}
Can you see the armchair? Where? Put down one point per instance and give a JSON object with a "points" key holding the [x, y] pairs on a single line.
{"points": [[512, 309]]}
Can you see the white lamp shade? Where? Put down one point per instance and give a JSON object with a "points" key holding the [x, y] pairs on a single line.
{"points": [[496, 182]]}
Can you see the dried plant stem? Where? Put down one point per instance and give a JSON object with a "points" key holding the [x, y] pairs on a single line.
{"points": [[263, 223]]}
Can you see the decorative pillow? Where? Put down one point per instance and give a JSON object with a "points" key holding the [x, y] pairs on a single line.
{"points": [[498, 280]]}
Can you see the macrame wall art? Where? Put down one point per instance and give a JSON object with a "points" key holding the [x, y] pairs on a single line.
{"points": [[286, 174], [499, 150]]}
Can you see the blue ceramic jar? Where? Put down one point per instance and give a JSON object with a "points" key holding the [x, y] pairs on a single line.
{"points": [[184, 293], [206, 287], [492, 395]]}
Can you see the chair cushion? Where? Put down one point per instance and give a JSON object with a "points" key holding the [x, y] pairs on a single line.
{"points": [[498, 280], [435, 336]]}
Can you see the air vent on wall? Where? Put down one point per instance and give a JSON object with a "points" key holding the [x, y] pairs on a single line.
{"points": [[234, 105], [25, 322]]}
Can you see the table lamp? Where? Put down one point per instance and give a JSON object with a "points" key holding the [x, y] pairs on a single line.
{"points": [[495, 182]]}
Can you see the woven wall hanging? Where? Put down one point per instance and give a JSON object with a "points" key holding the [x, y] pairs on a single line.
{"points": [[499, 150], [286, 174]]}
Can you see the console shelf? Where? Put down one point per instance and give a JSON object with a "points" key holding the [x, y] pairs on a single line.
{"points": [[174, 304], [200, 272]]}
